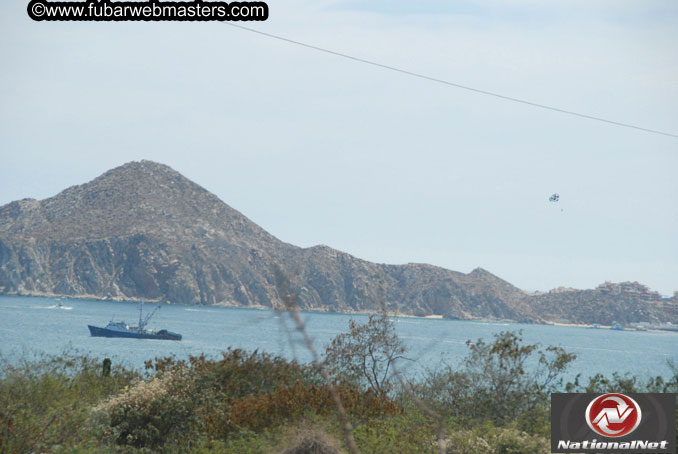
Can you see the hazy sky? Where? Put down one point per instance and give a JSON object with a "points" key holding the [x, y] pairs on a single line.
{"points": [[321, 150]]}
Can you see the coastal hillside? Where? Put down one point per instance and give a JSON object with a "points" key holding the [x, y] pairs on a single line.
{"points": [[143, 231], [608, 304]]}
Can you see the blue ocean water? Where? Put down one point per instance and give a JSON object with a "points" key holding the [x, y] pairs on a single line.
{"points": [[31, 325]]}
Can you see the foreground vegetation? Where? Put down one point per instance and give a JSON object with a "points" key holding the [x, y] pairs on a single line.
{"points": [[251, 402]]}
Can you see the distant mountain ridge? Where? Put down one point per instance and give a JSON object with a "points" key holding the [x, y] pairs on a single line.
{"points": [[143, 231]]}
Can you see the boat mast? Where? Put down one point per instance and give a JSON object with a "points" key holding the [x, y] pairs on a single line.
{"points": [[144, 321]]}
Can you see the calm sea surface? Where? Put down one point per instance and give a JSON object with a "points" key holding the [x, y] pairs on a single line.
{"points": [[29, 325]]}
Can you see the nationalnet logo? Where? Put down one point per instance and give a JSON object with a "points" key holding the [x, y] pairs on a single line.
{"points": [[613, 422], [613, 415]]}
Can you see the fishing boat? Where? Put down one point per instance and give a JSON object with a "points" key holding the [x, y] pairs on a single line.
{"points": [[122, 329]]}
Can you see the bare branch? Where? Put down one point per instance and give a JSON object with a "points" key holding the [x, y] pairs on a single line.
{"points": [[292, 308]]}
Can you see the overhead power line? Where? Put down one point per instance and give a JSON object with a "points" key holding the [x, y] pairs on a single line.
{"points": [[453, 84]]}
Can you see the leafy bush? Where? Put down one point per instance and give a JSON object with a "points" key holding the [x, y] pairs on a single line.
{"points": [[154, 412], [217, 389], [410, 432], [514, 441], [46, 402], [466, 442], [290, 403], [240, 393], [627, 383], [489, 439], [312, 442], [366, 354], [493, 383]]}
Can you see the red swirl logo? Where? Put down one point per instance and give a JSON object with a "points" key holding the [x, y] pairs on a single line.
{"points": [[613, 415]]}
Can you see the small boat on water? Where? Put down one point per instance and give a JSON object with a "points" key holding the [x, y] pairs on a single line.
{"points": [[122, 329], [59, 305]]}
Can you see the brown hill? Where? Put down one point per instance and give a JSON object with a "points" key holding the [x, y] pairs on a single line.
{"points": [[143, 231]]}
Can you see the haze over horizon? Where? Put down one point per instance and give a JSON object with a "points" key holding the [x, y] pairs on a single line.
{"points": [[388, 168]]}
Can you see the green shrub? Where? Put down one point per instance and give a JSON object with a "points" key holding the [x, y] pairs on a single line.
{"points": [[367, 354], [297, 401], [410, 432], [312, 441], [154, 412], [627, 383], [46, 402], [510, 440], [466, 442], [494, 383]]}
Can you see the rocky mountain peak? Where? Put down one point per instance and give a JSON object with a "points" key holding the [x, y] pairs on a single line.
{"points": [[136, 198], [481, 272]]}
